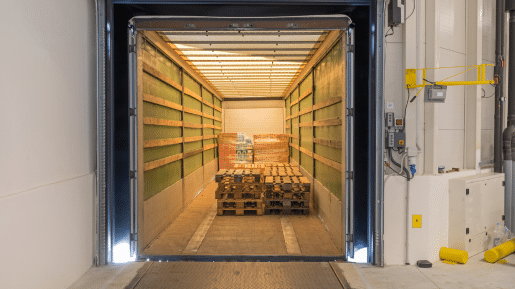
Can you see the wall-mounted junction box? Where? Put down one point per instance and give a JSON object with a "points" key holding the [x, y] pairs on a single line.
{"points": [[390, 119], [395, 12], [435, 93], [396, 140]]}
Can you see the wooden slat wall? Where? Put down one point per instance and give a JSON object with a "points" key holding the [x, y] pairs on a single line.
{"points": [[313, 114], [181, 120]]}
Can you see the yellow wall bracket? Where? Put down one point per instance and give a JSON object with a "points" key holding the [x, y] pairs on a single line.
{"points": [[411, 77]]}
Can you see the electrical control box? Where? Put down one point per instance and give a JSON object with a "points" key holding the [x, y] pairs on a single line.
{"points": [[435, 93], [395, 12], [390, 119], [396, 140], [476, 205]]}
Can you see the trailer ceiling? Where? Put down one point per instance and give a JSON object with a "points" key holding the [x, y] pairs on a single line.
{"points": [[247, 63]]}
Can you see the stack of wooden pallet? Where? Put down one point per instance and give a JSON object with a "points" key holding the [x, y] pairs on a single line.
{"points": [[286, 191], [239, 192]]}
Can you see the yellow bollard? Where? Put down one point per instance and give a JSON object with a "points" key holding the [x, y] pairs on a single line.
{"points": [[500, 251], [454, 255]]}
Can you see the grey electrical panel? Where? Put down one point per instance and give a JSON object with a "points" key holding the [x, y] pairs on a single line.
{"points": [[435, 93], [390, 119], [395, 12], [396, 140]]}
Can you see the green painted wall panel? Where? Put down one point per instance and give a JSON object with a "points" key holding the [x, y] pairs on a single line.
{"points": [[161, 112], [209, 131], [329, 152], [208, 110], [307, 163], [329, 75], [218, 114], [159, 61], [305, 117], [329, 112], [192, 163], [217, 123], [191, 83], [192, 102], [295, 154], [306, 138], [192, 118], [191, 146], [160, 178], [306, 83], [156, 153], [206, 95], [330, 178], [306, 102], [192, 132], [156, 87], [329, 132], [160, 132], [209, 155], [209, 141]]}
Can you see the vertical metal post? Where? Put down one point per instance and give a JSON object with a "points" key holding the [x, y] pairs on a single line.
{"points": [[498, 72], [378, 134], [313, 134], [349, 145], [133, 143], [100, 248], [183, 144], [107, 226], [509, 133]]}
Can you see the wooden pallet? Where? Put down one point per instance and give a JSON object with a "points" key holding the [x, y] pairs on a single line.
{"points": [[286, 203], [286, 211], [278, 194], [222, 174], [240, 212], [286, 183], [237, 175], [239, 203]]}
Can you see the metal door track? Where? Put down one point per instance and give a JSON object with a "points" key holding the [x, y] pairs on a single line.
{"points": [[239, 258]]}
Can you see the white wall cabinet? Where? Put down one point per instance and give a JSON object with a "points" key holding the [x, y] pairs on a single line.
{"points": [[476, 205]]}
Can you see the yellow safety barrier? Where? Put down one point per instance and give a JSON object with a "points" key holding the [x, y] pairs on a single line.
{"points": [[500, 251], [454, 255], [411, 77]]}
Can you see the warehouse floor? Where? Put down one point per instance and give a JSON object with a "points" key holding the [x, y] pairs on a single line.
{"points": [[475, 274], [198, 231]]}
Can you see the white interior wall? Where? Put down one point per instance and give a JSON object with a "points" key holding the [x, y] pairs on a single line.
{"points": [[253, 117], [47, 172], [429, 192]]}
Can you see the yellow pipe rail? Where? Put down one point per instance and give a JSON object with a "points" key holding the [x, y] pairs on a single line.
{"points": [[411, 77]]}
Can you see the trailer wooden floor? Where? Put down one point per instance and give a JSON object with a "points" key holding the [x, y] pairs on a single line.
{"points": [[198, 231]]}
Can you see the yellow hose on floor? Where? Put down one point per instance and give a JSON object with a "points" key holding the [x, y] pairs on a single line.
{"points": [[500, 251], [454, 255]]}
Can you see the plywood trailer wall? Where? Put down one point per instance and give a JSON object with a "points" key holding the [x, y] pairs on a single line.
{"points": [[314, 121], [181, 120]]}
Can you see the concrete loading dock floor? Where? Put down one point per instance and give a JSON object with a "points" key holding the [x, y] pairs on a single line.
{"points": [[475, 274], [195, 231]]}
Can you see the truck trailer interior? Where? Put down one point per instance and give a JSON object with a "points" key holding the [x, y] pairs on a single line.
{"points": [[195, 78]]}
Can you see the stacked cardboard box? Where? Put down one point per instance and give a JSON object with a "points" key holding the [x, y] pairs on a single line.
{"points": [[286, 190], [239, 192], [227, 150], [271, 148]]}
